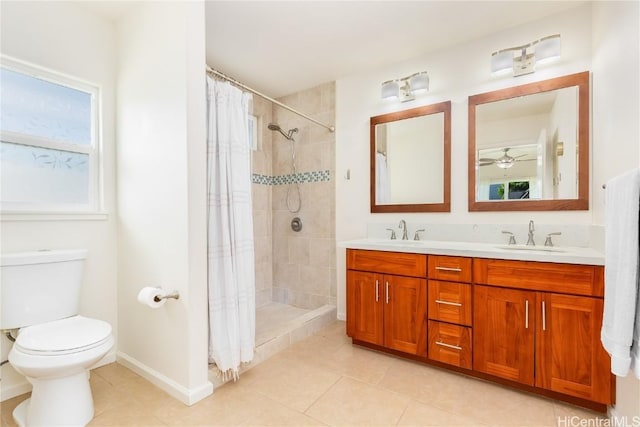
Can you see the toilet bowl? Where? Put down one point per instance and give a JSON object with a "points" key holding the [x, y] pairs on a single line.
{"points": [[55, 346], [54, 357]]}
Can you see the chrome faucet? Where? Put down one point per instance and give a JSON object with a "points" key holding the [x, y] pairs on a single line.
{"points": [[548, 241], [530, 241], [393, 233], [512, 238], [403, 226]]}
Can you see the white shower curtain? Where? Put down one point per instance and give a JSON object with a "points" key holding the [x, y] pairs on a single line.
{"points": [[230, 253]]}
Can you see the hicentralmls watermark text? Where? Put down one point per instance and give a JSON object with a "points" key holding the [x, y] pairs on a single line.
{"points": [[576, 421]]}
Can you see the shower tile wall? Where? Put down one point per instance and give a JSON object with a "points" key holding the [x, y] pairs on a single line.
{"points": [[304, 262], [262, 166], [295, 268]]}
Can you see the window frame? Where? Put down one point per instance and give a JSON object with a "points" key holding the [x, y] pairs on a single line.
{"points": [[95, 203]]}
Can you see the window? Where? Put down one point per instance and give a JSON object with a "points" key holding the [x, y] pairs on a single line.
{"points": [[49, 144]]}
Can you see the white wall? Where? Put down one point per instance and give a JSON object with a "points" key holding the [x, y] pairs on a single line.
{"points": [[63, 38], [162, 194], [455, 74], [616, 129]]}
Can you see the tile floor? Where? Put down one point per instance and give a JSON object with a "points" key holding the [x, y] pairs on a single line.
{"points": [[324, 380]]}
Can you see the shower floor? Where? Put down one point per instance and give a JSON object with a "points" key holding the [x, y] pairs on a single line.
{"points": [[274, 319], [277, 327]]}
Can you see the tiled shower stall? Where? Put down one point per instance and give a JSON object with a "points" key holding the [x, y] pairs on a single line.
{"points": [[295, 271]]}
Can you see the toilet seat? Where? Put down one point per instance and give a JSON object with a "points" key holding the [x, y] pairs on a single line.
{"points": [[61, 337]]}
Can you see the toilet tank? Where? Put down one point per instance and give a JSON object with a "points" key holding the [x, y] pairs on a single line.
{"points": [[39, 286]]}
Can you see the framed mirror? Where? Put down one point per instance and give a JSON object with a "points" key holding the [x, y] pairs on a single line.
{"points": [[529, 147], [411, 160]]}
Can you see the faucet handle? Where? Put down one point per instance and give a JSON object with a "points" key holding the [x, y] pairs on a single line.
{"points": [[393, 233], [416, 236], [548, 241], [512, 238]]}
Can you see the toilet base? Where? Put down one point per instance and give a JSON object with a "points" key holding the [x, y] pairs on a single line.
{"points": [[20, 413], [63, 401]]}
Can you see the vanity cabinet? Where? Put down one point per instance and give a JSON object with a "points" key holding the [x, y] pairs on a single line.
{"points": [[387, 300], [504, 333], [532, 323], [450, 309], [539, 324]]}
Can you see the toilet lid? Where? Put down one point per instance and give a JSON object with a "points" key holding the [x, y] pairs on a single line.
{"points": [[63, 336]]}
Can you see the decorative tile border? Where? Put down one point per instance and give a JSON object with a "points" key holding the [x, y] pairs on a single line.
{"points": [[257, 178], [298, 178]]}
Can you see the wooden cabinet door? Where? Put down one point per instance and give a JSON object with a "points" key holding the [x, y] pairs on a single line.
{"points": [[503, 333], [365, 307], [570, 357], [405, 314]]}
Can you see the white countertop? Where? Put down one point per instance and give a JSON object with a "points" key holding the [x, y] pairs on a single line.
{"points": [[566, 255]]}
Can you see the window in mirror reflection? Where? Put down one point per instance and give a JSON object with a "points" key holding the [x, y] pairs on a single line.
{"points": [[532, 140], [415, 157]]}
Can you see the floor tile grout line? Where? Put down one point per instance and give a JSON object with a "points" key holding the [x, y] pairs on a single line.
{"points": [[340, 377], [404, 411]]}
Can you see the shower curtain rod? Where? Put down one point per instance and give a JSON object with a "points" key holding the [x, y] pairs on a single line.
{"points": [[268, 98]]}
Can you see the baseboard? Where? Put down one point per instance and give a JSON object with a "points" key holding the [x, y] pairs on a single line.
{"points": [[14, 390], [108, 358], [342, 316], [183, 394]]}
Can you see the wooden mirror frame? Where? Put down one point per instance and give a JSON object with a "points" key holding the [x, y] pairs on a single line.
{"points": [[445, 206], [581, 80]]}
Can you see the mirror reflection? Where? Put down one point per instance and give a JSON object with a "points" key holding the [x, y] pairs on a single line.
{"points": [[516, 169], [530, 139], [529, 146], [410, 160], [400, 164]]}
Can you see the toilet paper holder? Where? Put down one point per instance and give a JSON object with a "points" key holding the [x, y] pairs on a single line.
{"points": [[174, 295]]}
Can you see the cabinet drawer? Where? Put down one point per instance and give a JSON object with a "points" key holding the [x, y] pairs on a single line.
{"points": [[452, 268], [450, 302], [540, 276], [450, 344], [398, 263]]}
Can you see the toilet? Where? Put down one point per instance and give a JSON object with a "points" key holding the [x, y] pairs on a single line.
{"points": [[54, 346]]}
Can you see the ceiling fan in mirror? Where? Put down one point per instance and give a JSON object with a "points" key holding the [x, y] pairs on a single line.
{"points": [[503, 162]]}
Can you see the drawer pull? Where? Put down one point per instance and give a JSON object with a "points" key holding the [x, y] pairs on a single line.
{"points": [[457, 304], [544, 317], [449, 269], [455, 347], [526, 314]]}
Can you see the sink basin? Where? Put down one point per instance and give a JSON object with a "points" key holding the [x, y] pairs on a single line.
{"points": [[530, 248]]}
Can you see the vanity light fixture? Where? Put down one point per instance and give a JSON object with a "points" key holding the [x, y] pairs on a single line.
{"points": [[522, 59], [405, 88]]}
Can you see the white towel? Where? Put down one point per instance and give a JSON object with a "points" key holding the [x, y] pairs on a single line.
{"points": [[620, 333], [383, 191]]}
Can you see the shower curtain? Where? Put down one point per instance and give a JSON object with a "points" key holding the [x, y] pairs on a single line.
{"points": [[231, 272]]}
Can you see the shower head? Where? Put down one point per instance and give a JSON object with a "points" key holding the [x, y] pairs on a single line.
{"points": [[273, 126]]}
